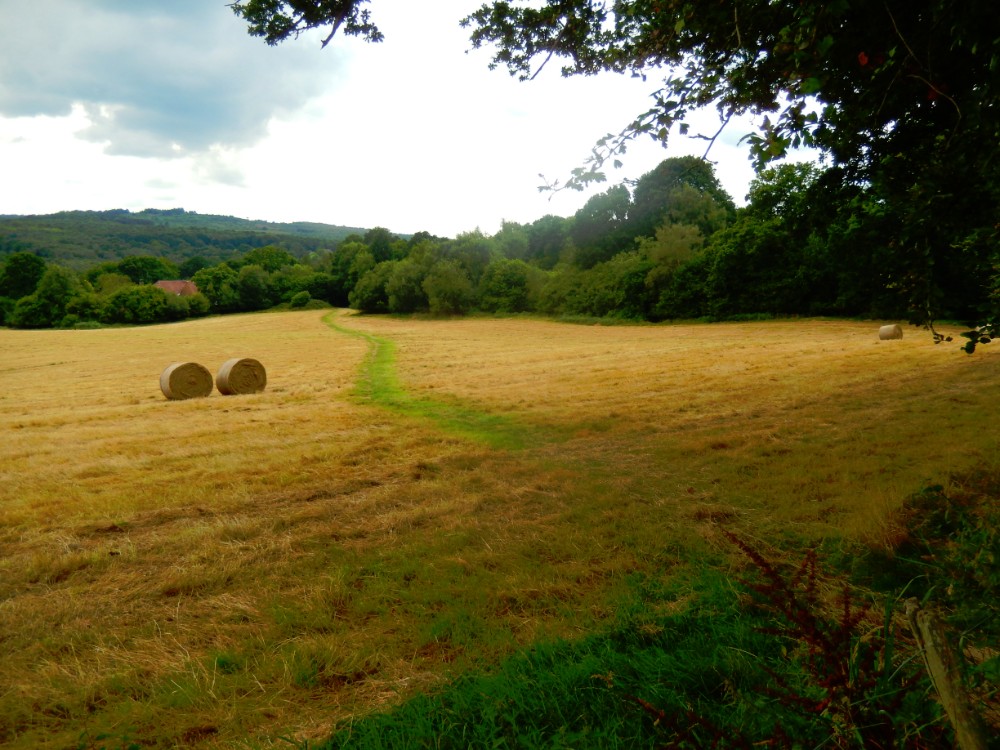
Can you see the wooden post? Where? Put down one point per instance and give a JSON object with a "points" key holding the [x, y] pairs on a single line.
{"points": [[942, 664]]}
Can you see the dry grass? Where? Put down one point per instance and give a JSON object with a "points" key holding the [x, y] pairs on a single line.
{"points": [[195, 573]]}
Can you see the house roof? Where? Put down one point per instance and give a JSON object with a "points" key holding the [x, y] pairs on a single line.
{"points": [[180, 288]]}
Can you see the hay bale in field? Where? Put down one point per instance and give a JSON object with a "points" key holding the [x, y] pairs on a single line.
{"points": [[239, 376], [183, 380], [890, 332]]}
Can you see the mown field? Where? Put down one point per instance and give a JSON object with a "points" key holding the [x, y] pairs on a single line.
{"points": [[412, 500]]}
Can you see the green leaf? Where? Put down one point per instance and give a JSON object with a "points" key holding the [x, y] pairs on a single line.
{"points": [[810, 85]]}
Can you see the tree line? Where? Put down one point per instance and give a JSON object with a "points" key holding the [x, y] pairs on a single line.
{"points": [[671, 246]]}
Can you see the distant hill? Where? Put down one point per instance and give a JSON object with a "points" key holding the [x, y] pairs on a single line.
{"points": [[82, 239]]}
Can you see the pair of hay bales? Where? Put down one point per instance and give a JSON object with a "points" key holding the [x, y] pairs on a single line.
{"points": [[183, 380]]}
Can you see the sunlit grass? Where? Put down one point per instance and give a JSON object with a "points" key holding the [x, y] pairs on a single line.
{"points": [[409, 500]]}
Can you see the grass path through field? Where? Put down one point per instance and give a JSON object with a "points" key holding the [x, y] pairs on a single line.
{"points": [[379, 383]]}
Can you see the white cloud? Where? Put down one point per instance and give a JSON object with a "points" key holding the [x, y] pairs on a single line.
{"points": [[129, 104]]}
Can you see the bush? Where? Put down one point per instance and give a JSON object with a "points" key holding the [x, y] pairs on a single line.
{"points": [[137, 304], [6, 308], [449, 290], [503, 286], [198, 305], [405, 287], [301, 299], [369, 294]]}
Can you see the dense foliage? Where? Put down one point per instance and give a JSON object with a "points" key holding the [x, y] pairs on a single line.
{"points": [[674, 246]]}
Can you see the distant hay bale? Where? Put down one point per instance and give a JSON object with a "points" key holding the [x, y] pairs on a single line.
{"points": [[183, 380], [240, 376], [890, 332]]}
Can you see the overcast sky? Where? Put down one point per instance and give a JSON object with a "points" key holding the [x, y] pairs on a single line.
{"points": [[171, 104]]}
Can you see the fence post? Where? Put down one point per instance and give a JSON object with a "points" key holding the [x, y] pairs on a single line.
{"points": [[942, 664]]}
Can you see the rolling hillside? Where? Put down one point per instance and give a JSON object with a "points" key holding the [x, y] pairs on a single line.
{"points": [[81, 239]]}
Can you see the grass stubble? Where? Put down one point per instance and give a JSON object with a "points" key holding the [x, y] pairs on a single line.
{"points": [[411, 499]]}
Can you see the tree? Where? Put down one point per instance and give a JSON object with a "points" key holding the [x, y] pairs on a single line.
{"points": [[448, 288], [504, 286], [598, 229], [348, 264], [615, 288], [291, 280], [253, 288], [547, 238], [473, 251], [106, 284], [369, 294], [20, 275], [146, 269], [219, 285], [270, 257], [405, 286], [682, 190], [191, 266], [380, 242], [46, 306], [902, 96], [512, 240], [138, 304]]}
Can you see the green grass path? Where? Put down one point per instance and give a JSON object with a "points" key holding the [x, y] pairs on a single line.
{"points": [[379, 383]]}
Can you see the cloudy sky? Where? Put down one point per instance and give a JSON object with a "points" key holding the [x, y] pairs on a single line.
{"points": [[164, 104]]}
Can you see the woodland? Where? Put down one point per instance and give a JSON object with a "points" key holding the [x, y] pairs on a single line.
{"points": [[898, 217], [671, 246]]}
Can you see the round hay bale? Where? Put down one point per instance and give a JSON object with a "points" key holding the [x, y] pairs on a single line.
{"points": [[239, 376], [185, 380], [890, 332]]}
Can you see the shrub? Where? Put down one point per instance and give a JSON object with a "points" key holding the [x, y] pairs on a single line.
{"points": [[405, 287], [448, 288], [369, 294], [137, 304], [503, 286]]}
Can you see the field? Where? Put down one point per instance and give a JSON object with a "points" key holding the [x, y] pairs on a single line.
{"points": [[410, 500]]}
